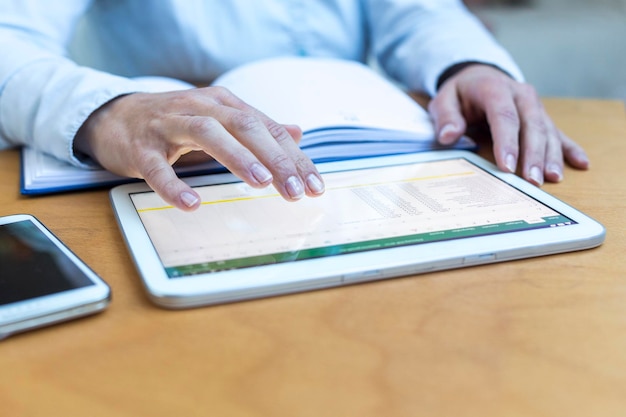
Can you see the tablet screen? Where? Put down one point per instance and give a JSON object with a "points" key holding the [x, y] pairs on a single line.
{"points": [[365, 209]]}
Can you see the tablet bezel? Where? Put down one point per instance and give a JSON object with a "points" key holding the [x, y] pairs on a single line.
{"points": [[275, 279]]}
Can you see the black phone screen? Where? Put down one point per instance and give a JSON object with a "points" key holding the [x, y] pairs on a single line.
{"points": [[32, 266]]}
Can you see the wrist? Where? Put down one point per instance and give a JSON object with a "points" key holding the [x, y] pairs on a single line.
{"points": [[453, 70], [83, 145]]}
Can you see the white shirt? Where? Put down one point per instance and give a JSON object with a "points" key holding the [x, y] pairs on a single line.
{"points": [[47, 92]]}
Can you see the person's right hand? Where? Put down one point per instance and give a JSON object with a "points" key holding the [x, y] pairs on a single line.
{"points": [[141, 135]]}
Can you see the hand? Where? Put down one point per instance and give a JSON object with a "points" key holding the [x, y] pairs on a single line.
{"points": [[141, 135], [520, 127]]}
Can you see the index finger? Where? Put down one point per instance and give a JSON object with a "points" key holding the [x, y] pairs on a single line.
{"points": [[504, 123]]}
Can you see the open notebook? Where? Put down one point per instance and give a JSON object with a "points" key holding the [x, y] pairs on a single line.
{"points": [[346, 110]]}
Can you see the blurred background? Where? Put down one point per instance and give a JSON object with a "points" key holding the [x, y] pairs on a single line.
{"points": [[566, 48]]}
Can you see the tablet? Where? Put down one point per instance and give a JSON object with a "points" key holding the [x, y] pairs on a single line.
{"points": [[379, 218]]}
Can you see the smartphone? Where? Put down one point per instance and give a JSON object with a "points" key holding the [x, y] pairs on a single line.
{"points": [[41, 281]]}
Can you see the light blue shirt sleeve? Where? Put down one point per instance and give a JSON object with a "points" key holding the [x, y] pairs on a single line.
{"points": [[47, 93], [44, 95], [415, 41]]}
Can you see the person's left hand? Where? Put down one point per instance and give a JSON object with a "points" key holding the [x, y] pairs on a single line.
{"points": [[521, 129]]}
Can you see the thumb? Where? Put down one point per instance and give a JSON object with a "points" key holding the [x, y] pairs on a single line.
{"points": [[445, 109], [294, 131]]}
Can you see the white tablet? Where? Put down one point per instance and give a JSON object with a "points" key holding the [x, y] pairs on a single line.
{"points": [[379, 218]]}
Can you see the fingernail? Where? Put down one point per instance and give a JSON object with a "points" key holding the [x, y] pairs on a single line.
{"points": [[447, 134], [536, 176], [189, 199], [295, 188], [315, 184], [582, 159], [555, 171], [261, 174], [510, 162]]}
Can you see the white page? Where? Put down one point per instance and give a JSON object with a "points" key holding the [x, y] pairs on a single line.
{"points": [[319, 93]]}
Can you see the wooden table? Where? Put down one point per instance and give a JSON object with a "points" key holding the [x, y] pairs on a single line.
{"points": [[538, 337]]}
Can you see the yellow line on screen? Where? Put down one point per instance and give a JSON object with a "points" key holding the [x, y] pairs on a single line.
{"points": [[274, 195]]}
